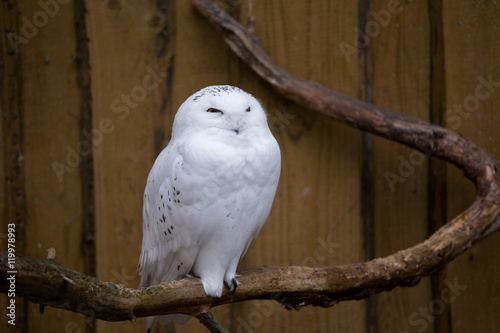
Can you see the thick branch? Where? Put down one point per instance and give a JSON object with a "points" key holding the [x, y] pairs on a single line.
{"points": [[46, 282]]}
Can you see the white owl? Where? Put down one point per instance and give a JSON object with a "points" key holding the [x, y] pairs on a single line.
{"points": [[209, 191]]}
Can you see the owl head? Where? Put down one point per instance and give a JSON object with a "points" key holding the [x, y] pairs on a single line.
{"points": [[227, 110]]}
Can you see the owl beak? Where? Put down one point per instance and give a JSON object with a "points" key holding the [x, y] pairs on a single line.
{"points": [[236, 123]]}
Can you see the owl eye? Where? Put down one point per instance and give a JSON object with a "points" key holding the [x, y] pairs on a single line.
{"points": [[248, 109], [214, 110]]}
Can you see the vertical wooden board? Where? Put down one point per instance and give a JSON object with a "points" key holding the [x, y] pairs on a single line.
{"points": [[199, 59], [50, 126], [283, 241], [315, 220], [125, 91], [8, 21], [201, 56], [397, 34], [473, 52], [12, 200]]}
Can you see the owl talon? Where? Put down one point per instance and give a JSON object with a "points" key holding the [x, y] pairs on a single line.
{"points": [[235, 285]]}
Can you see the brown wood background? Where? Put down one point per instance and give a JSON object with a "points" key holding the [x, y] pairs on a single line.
{"points": [[119, 70]]}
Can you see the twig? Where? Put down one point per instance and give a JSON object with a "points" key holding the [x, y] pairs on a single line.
{"points": [[208, 319]]}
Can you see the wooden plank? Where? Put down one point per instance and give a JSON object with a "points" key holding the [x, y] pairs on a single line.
{"points": [[309, 190], [50, 107], [397, 37], [197, 57], [126, 85], [473, 55], [12, 199], [313, 222]]}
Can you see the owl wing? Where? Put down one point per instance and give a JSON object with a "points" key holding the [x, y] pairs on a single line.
{"points": [[169, 245]]}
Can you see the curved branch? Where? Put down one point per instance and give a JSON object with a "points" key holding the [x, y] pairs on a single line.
{"points": [[46, 282], [472, 225], [430, 139], [478, 165]]}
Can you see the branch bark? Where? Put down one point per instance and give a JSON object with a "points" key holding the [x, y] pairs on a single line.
{"points": [[48, 283]]}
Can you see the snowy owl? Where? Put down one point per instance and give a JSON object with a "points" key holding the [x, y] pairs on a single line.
{"points": [[209, 191]]}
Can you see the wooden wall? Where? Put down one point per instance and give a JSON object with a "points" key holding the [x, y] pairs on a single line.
{"points": [[114, 72]]}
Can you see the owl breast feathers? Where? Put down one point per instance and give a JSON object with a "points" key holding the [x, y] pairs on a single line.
{"points": [[209, 191]]}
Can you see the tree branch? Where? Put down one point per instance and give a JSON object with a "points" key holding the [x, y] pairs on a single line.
{"points": [[478, 165], [48, 283], [208, 319]]}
